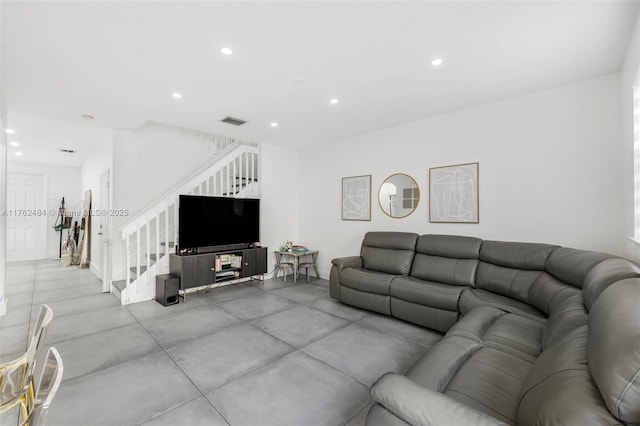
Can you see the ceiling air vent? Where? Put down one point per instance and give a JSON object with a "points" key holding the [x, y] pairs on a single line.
{"points": [[234, 121], [67, 151]]}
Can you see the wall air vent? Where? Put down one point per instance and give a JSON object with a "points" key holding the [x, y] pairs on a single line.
{"points": [[234, 121], [67, 151]]}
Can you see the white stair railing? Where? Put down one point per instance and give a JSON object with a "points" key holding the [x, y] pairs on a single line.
{"points": [[152, 234]]}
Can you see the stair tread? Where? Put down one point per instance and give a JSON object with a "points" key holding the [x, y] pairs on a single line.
{"points": [[142, 269], [120, 285]]}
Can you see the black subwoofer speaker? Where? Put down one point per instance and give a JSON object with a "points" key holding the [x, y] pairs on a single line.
{"points": [[167, 289]]}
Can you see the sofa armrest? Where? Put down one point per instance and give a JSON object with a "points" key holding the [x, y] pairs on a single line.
{"points": [[348, 262], [421, 406]]}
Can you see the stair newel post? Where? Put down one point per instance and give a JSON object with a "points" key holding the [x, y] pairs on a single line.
{"points": [[157, 238], [127, 243], [167, 249], [138, 254], [206, 186], [148, 250], [241, 183]]}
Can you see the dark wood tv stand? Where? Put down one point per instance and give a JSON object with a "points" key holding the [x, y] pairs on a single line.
{"points": [[199, 270]]}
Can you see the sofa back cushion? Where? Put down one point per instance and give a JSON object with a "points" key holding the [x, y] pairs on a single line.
{"points": [[559, 389], [511, 269], [390, 252], [571, 265], [613, 348], [604, 274], [447, 259]]}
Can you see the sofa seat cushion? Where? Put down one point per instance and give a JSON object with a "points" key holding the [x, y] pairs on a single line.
{"points": [[516, 335], [560, 390], [436, 368], [473, 298], [491, 381], [367, 281], [483, 361], [426, 293]]}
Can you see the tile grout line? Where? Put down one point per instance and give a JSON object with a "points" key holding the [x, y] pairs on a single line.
{"points": [[183, 373]]}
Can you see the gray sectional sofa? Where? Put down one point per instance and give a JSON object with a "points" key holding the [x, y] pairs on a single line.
{"points": [[535, 334]]}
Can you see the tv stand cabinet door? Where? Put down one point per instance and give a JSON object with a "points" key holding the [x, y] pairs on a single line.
{"points": [[254, 262], [197, 270]]}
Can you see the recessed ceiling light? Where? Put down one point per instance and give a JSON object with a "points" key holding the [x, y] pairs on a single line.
{"points": [[226, 51], [18, 154], [10, 131], [177, 95], [333, 101], [87, 117], [14, 143], [436, 62], [274, 124], [298, 80]]}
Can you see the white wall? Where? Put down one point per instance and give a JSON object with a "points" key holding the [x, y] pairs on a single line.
{"points": [[60, 181], [550, 171], [630, 70], [152, 159], [100, 160], [279, 186]]}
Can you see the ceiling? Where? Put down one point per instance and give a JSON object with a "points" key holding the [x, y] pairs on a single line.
{"points": [[121, 61]]}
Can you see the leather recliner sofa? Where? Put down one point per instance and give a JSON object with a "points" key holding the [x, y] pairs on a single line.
{"points": [[536, 334]]}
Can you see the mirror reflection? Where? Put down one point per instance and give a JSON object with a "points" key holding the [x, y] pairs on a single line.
{"points": [[399, 195]]}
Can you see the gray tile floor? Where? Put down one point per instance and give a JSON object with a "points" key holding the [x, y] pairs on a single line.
{"points": [[269, 353]]}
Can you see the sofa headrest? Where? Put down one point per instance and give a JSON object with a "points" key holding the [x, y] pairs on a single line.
{"points": [[527, 256], [389, 252], [572, 265], [613, 348], [449, 246], [604, 274], [391, 240]]}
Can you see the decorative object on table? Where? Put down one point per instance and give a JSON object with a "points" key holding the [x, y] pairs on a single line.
{"points": [[287, 246], [300, 249], [453, 194], [399, 195], [356, 198]]}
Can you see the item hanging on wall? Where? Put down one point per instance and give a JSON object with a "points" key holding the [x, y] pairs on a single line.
{"points": [[453, 194], [356, 198]]}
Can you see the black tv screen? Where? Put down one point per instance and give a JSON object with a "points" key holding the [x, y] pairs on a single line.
{"points": [[216, 221]]}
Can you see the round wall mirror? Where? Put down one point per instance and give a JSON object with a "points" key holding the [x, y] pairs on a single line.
{"points": [[399, 195]]}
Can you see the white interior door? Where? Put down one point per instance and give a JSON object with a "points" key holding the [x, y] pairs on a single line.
{"points": [[26, 217], [104, 231]]}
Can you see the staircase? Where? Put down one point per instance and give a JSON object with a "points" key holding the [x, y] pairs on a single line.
{"points": [[151, 235]]}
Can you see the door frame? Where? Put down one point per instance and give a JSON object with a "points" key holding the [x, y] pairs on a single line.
{"points": [[105, 233]]}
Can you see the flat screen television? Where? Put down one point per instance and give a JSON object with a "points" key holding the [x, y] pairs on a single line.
{"points": [[217, 221]]}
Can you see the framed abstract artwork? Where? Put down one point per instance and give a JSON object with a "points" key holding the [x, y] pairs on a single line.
{"points": [[356, 198], [453, 194]]}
